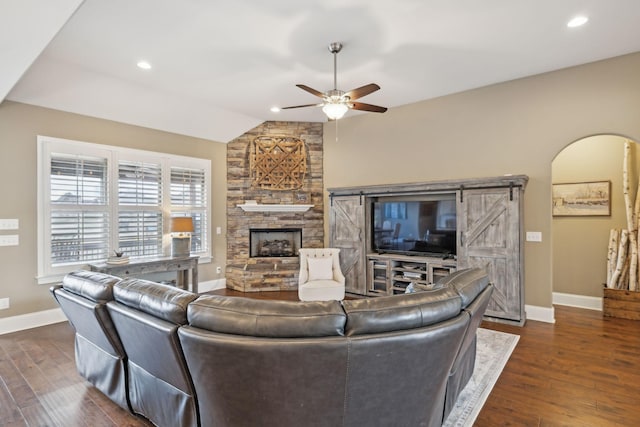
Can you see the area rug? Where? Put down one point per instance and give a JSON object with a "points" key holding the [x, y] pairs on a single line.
{"points": [[493, 351]]}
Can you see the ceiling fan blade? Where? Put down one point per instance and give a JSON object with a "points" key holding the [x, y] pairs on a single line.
{"points": [[368, 107], [362, 91], [311, 91], [301, 106]]}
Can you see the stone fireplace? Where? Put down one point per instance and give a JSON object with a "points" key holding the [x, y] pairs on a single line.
{"points": [[257, 262]]}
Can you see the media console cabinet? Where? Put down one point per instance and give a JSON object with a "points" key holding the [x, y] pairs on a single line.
{"points": [[389, 274], [489, 234]]}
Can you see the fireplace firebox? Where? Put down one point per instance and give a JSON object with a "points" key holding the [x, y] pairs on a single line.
{"points": [[274, 242]]}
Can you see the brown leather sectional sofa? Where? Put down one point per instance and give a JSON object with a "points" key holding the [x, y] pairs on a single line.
{"points": [[180, 359]]}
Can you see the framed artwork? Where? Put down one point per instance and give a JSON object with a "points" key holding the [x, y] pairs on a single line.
{"points": [[582, 199]]}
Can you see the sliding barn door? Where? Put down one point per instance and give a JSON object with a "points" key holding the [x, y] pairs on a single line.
{"points": [[346, 232], [490, 228]]}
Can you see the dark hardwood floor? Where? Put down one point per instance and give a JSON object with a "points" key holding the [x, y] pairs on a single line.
{"points": [[584, 370]]}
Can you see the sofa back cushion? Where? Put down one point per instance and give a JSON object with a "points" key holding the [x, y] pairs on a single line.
{"points": [[264, 318], [96, 287], [397, 312], [162, 301], [468, 283]]}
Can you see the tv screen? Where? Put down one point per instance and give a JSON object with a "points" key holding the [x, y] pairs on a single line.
{"points": [[424, 225]]}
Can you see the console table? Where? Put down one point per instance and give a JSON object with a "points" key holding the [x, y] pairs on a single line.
{"points": [[138, 267]]}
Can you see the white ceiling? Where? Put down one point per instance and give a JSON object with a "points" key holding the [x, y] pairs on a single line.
{"points": [[219, 65]]}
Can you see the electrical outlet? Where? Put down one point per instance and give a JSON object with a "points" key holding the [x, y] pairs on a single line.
{"points": [[218, 269], [4, 303], [9, 240]]}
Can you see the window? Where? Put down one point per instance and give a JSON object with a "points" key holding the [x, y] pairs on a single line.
{"points": [[94, 199], [79, 224], [140, 208], [189, 198]]}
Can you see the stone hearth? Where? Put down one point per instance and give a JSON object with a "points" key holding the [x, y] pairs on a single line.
{"points": [[250, 274]]}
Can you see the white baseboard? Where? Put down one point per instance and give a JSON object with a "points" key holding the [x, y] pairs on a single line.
{"points": [[541, 314], [212, 285], [580, 301], [31, 320]]}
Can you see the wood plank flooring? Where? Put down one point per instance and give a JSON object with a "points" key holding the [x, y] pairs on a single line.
{"points": [[584, 370]]}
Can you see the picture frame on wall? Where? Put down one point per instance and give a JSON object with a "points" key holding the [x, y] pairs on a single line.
{"points": [[582, 198]]}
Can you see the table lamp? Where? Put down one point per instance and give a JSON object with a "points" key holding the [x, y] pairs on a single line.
{"points": [[181, 229]]}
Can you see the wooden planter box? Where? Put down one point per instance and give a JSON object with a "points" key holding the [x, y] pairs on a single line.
{"points": [[621, 303]]}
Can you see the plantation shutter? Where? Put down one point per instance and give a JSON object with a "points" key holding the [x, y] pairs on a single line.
{"points": [[189, 198], [79, 216], [140, 208]]}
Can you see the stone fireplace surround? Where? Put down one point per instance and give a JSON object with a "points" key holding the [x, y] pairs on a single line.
{"points": [[252, 274]]}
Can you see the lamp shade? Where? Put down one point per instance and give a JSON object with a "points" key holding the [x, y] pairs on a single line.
{"points": [[182, 224]]}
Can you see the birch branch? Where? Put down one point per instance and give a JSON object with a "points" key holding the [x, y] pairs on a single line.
{"points": [[631, 218], [622, 254], [612, 255]]}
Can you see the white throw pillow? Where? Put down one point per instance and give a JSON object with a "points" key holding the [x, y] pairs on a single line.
{"points": [[320, 268]]}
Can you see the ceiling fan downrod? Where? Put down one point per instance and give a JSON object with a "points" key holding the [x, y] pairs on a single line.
{"points": [[335, 48]]}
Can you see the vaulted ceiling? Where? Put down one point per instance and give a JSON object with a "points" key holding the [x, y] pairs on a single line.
{"points": [[218, 66]]}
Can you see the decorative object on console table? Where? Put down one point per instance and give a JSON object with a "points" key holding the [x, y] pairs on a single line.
{"points": [[181, 229]]}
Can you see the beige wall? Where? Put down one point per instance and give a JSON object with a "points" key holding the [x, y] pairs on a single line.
{"points": [[514, 127], [580, 243], [19, 126]]}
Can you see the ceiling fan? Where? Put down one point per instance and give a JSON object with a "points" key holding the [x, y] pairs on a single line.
{"points": [[335, 103]]}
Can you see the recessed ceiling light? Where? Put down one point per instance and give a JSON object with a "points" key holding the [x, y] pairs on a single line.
{"points": [[275, 109], [144, 65], [577, 21]]}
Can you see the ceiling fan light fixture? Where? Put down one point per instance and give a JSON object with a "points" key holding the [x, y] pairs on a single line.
{"points": [[335, 111]]}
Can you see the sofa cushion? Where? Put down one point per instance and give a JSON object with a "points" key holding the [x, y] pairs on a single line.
{"points": [[468, 283], [397, 312], [265, 318], [162, 301], [320, 268], [97, 287]]}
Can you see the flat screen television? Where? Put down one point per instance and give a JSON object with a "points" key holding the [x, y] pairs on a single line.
{"points": [[414, 225]]}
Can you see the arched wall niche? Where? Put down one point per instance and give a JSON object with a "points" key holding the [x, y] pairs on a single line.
{"points": [[579, 243]]}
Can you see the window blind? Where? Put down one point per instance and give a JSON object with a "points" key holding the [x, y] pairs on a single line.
{"points": [[189, 198], [79, 219], [140, 211]]}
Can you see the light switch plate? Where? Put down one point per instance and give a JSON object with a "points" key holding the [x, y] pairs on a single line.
{"points": [[4, 303], [9, 240], [534, 236], [9, 224]]}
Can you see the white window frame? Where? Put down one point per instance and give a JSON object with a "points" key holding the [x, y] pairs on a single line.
{"points": [[47, 145]]}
